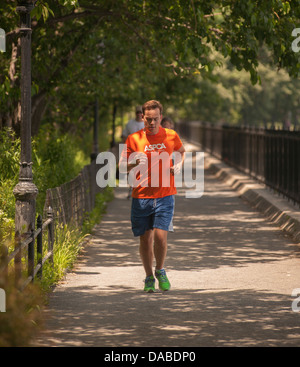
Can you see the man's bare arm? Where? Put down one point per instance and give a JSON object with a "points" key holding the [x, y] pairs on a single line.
{"points": [[126, 167], [178, 163]]}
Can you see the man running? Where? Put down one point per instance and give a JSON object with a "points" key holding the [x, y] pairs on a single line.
{"points": [[148, 159]]}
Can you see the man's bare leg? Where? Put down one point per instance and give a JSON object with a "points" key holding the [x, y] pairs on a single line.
{"points": [[160, 247], [146, 251]]}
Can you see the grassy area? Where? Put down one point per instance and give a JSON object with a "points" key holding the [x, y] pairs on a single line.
{"points": [[70, 240]]}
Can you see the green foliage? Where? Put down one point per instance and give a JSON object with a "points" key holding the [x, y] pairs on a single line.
{"points": [[9, 155], [60, 154], [9, 172], [7, 203], [23, 318], [67, 245], [57, 158], [229, 96], [126, 52], [7, 224]]}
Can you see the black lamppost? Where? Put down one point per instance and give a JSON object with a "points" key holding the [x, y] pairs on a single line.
{"points": [[113, 142], [25, 191], [95, 131]]}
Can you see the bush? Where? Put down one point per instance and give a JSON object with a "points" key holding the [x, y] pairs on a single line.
{"points": [[7, 229], [23, 317], [9, 173], [57, 158], [10, 148]]}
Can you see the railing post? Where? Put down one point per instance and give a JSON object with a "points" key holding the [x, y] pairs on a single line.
{"points": [[39, 245], [50, 232], [31, 256]]}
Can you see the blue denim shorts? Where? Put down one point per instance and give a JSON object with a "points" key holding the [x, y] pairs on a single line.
{"points": [[152, 213]]}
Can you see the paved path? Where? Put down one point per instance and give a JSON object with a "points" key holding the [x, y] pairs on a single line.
{"points": [[232, 275]]}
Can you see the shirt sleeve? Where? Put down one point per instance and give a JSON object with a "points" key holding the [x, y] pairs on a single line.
{"points": [[127, 149], [124, 157], [177, 142]]}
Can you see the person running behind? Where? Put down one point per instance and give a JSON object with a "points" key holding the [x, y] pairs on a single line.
{"points": [[152, 205], [134, 125], [167, 123]]}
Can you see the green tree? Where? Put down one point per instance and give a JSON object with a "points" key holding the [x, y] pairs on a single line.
{"points": [[129, 50]]}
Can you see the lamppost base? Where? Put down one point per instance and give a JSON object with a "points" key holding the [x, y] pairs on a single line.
{"points": [[25, 193]]}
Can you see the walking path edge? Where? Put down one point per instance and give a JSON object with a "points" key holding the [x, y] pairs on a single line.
{"points": [[278, 210]]}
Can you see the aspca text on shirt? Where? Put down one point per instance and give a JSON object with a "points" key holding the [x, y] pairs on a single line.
{"points": [[153, 147], [190, 176]]}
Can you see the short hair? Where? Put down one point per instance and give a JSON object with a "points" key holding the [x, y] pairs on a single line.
{"points": [[138, 109], [152, 105]]}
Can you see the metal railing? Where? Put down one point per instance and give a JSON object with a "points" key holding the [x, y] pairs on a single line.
{"points": [[72, 200], [34, 245], [270, 156], [66, 204]]}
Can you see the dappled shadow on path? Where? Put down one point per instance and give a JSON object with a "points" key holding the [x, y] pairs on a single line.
{"points": [[219, 229], [185, 318]]}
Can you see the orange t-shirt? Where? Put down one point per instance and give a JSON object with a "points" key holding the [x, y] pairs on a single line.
{"points": [[154, 180]]}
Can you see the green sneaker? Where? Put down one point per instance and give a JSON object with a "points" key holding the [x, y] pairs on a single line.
{"points": [[164, 284], [149, 284]]}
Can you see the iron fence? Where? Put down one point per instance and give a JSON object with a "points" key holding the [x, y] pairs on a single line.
{"points": [[35, 258], [72, 200], [66, 204], [270, 156]]}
